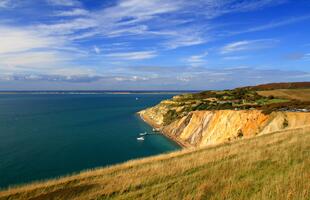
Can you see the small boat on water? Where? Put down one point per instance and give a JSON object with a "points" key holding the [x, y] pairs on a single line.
{"points": [[156, 130], [143, 134], [140, 138]]}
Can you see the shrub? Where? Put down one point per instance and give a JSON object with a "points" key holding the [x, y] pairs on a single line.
{"points": [[170, 116], [240, 134], [285, 123]]}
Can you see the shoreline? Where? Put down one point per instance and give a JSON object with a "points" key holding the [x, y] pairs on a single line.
{"points": [[96, 92], [153, 125]]}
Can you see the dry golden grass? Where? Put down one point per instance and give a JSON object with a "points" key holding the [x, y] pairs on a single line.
{"points": [[298, 94], [273, 166]]}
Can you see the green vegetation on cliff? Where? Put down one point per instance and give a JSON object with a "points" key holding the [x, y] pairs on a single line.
{"points": [[238, 99], [273, 166]]}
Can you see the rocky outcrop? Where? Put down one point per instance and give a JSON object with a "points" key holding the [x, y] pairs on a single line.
{"points": [[201, 128]]}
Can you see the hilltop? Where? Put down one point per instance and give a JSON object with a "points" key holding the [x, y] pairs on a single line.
{"points": [[212, 117], [275, 86]]}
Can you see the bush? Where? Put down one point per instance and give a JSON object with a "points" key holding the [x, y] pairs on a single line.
{"points": [[170, 116], [285, 123]]}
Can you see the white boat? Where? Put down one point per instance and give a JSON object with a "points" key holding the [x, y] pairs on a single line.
{"points": [[143, 134], [140, 138]]}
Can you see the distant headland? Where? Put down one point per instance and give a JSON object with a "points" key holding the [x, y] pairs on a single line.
{"points": [[98, 91]]}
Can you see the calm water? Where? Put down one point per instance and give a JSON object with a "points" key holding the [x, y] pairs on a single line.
{"points": [[44, 136]]}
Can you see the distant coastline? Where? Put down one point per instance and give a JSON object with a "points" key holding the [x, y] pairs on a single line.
{"points": [[101, 92]]}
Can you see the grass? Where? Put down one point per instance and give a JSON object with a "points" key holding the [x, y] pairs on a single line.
{"points": [[271, 101], [273, 166], [297, 94], [239, 98]]}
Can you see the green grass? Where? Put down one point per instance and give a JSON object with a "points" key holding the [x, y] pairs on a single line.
{"points": [[274, 166], [240, 99], [271, 101], [298, 94]]}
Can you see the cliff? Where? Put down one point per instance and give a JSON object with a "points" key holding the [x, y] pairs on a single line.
{"points": [[201, 128]]}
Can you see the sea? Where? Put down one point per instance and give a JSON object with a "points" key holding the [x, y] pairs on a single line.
{"points": [[43, 136]]}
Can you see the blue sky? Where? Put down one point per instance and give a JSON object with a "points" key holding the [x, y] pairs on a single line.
{"points": [[152, 45]]}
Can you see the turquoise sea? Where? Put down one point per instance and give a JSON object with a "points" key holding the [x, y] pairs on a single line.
{"points": [[49, 135]]}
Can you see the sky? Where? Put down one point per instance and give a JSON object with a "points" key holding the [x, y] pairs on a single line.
{"points": [[152, 44]]}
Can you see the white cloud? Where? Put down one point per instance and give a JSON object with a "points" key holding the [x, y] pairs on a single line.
{"points": [[307, 56], [236, 46], [97, 50], [29, 51], [18, 39], [136, 17], [273, 24], [67, 27], [133, 11], [32, 59], [235, 57], [74, 12], [5, 3], [73, 71], [184, 39], [131, 78], [42, 65], [47, 48], [247, 45], [64, 2], [215, 8], [138, 55], [197, 60], [155, 18]]}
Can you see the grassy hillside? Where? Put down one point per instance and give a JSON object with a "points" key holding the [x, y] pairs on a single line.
{"points": [[276, 86], [236, 99], [273, 166], [298, 94]]}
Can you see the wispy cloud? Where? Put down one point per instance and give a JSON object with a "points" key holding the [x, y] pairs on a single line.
{"points": [[307, 56], [139, 55], [97, 50], [248, 45], [295, 56], [9, 4], [184, 39], [5, 3], [17, 40], [30, 51], [197, 60], [214, 8], [69, 35], [153, 77], [273, 24], [64, 2], [235, 57], [34, 60], [73, 12], [145, 18], [68, 28]]}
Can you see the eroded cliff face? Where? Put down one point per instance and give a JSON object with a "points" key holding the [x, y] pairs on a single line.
{"points": [[201, 128]]}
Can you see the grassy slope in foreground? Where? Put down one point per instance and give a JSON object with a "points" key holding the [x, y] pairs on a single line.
{"points": [[273, 166]]}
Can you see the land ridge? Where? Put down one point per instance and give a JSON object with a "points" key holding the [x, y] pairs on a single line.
{"points": [[212, 117]]}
